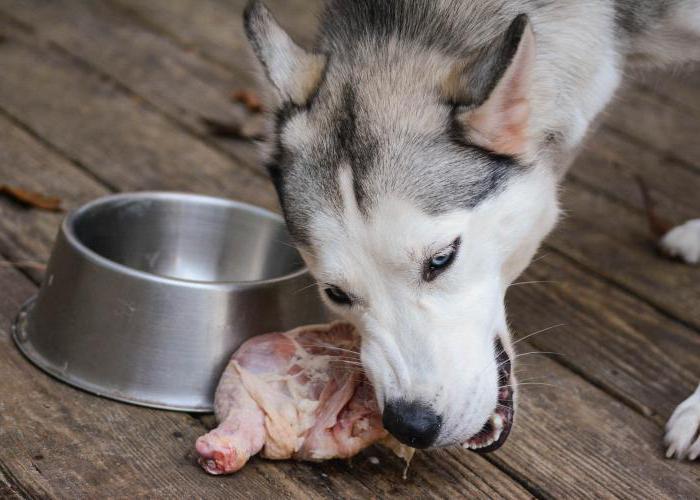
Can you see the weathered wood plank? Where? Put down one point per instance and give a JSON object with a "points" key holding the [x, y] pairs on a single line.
{"points": [[578, 442], [614, 241], [610, 164], [620, 343], [26, 235], [678, 86], [214, 27], [180, 84], [114, 135], [665, 126]]}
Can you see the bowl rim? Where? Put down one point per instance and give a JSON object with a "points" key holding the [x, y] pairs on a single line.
{"points": [[68, 232]]}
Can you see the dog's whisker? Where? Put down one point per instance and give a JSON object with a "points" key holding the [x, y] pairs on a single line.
{"points": [[350, 366], [329, 347], [527, 354], [353, 366], [518, 385], [285, 243], [536, 282], [522, 354], [315, 283], [542, 378], [538, 332], [541, 257], [346, 360]]}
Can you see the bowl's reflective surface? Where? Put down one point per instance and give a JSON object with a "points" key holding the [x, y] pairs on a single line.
{"points": [[147, 294], [200, 241]]}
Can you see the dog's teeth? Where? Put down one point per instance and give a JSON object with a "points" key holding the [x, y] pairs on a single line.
{"points": [[497, 420], [498, 434]]}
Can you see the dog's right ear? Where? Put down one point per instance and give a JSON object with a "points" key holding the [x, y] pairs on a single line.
{"points": [[294, 72], [492, 87]]}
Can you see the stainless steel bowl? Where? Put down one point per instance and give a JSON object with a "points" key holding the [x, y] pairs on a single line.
{"points": [[146, 295]]}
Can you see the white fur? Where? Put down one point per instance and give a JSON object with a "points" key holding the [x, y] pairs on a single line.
{"points": [[684, 241], [682, 429], [434, 341]]}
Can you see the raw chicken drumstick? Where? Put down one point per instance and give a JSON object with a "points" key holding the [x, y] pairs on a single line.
{"points": [[299, 394]]}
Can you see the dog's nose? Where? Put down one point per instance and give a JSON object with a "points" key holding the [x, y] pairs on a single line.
{"points": [[412, 423]]}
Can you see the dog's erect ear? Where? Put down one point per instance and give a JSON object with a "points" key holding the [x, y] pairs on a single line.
{"points": [[294, 72], [492, 87]]}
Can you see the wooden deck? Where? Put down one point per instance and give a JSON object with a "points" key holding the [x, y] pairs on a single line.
{"points": [[97, 97]]}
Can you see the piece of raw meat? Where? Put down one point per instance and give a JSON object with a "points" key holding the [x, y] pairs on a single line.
{"points": [[299, 394]]}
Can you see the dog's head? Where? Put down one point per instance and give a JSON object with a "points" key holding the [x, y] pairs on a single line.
{"points": [[410, 183]]}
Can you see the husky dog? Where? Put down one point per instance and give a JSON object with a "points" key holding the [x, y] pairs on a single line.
{"points": [[417, 150]]}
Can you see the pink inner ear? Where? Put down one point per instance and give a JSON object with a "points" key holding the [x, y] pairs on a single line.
{"points": [[501, 123]]}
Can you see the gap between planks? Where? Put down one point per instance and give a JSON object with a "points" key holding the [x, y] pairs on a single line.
{"points": [[127, 91]]}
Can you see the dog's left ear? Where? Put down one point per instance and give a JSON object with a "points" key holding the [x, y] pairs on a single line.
{"points": [[294, 72], [492, 90]]}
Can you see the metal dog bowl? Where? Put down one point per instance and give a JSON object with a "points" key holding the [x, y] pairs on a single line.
{"points": [[146, 296]]}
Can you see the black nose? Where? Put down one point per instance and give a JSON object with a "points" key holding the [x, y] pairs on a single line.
{"points": [[412, 423]]}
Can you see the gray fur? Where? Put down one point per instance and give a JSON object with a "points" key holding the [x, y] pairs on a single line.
{"points": [[380, 107], [639, 16], [347, 116]]}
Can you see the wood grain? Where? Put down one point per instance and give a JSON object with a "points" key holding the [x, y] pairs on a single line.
{"points": [[618, 342], [109, 132], [26, 235], [215, 28], [614, 242], [669, 128], [179, 83], [678, 87], [574, 441], [610, 164]]}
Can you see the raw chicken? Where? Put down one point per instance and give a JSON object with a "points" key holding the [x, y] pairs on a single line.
{"points": [[299, 394]]}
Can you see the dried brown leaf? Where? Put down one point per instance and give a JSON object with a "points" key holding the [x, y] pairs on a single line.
{"points": [[249, 130], [657, 225], [249, 99], [31, 199]]}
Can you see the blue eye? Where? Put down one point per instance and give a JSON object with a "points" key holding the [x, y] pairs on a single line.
{"points": [[440, 261]]}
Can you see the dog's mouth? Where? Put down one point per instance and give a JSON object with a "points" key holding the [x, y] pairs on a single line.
{"points": [[496, 429]]}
